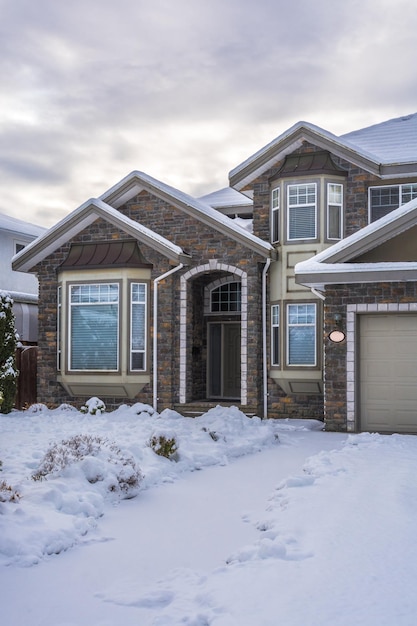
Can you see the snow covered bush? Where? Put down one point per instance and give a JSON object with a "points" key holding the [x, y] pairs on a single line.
{"points": [[164, 444], [98, 459], [7, 493], [8, 345], [93, 406]]}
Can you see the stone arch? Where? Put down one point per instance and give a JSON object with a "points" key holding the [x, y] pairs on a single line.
{"points": [[213, 266]]}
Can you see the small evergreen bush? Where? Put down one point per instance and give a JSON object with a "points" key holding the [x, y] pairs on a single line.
{"points": [[93, 406], [164, 445], [8, 345]]}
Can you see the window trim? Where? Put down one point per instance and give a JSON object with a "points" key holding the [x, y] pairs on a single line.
{"points": [[306, 183], [275, 334], [398, 186], [316, 363]]}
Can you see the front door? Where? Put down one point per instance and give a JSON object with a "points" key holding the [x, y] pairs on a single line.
{"points": [[224, 360]]}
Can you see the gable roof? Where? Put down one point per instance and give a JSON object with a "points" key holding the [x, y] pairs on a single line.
{"points": [[227, 198], [337, 263], [136, 181], [19, 227], [106, 207], [386, 150], [78, 220]]}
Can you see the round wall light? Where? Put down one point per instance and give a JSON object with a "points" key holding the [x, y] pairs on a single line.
{"points": [[337, 336]]}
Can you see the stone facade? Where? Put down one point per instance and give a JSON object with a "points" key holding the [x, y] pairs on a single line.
{"points": [[205, 245]]}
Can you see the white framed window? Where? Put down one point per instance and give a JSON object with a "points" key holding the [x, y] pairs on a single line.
{"points": [[275, 342], [94, 327], [226, 298], [334, 211], [301, 334], [275, 214], [138, 326], [302, 211], [384, 199]]}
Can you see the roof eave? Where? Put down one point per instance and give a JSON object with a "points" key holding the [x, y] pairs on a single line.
{"points": [[77, 221], [286, 144], [136, 182]]}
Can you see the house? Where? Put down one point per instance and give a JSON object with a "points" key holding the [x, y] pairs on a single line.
{"points": [[15, 235], [148, 294]]}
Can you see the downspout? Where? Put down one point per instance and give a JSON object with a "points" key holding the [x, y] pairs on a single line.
{"points": [[155, 330], [264, 351]]}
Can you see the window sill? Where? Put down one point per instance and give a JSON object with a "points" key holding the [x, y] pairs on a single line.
{"points": [[107, 386]]}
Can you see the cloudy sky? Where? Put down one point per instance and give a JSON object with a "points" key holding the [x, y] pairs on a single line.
{"points": [[183, 90]]}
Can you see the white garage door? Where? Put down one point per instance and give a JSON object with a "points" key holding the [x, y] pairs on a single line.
{"points": [[388, 372]]}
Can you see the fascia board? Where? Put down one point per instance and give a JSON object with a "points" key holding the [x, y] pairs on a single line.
{"points": [[137, 181], [290, 141], [80, 219], [341, 273]]}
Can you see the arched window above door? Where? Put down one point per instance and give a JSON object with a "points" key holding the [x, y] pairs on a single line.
{"points": [[226, 298]]}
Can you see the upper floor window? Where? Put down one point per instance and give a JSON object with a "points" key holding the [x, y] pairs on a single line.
{"points": [[334, 210], [301, 334], [275, 215], [226, 298], [383, 200], [302, 211]]}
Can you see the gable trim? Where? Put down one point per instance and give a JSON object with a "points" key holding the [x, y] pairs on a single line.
{"points": [[292, 139], [137, 181], [80, 219]]}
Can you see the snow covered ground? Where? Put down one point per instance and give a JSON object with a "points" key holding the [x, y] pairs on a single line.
{"points": [[284, 524]]}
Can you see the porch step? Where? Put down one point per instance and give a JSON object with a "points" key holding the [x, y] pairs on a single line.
{"points": [[194, 409]]}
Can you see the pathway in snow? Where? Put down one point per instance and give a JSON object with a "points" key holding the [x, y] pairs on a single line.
{"points": [[195, 522]]}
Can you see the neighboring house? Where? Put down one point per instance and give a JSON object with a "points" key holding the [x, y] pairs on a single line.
{"points": [[148, 294], [23, 288]]}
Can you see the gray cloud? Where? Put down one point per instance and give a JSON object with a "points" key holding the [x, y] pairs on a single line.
{"points": [[184, 90]]}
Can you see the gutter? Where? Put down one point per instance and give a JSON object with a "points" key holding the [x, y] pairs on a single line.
{"points": [[264, 351], [156, 281]]}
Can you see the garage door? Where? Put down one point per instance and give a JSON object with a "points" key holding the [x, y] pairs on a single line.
{"points": [[388, 372]]}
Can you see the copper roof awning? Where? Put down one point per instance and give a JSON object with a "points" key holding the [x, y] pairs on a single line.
{"points": [[309, 163], [124, 253]]}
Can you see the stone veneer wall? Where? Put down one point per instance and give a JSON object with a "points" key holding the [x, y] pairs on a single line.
{"points": [[348, 301], [203, 243]]}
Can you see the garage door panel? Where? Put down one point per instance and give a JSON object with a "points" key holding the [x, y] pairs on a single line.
{"points": [[388, 372]]}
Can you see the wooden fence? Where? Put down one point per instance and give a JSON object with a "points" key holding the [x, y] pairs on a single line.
{"points": [[26, 363]]}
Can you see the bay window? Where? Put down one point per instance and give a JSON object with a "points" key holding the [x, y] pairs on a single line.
{"points": [[138, 326], [302, 211], [334, 210], [275, 215]]}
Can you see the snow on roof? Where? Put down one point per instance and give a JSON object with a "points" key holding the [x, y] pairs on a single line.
{"points": [[12, 224], [393, 141], [136, 180], [226, 197]]}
